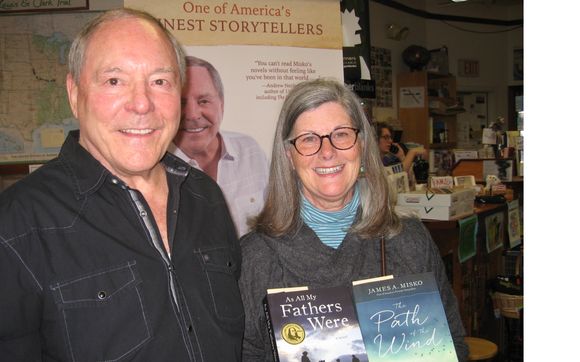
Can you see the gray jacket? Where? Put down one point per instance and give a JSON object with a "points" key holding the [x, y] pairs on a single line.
{"points": [[302, 259]]}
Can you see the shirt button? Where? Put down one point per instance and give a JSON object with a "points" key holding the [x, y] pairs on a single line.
{"points": [[189, 328], [102, 295], [143, 213], [252, 200]]}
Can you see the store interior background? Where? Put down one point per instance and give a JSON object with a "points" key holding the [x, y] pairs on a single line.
{"points": [[487, 32], [491, 45], [550, 131], [550, 135]]}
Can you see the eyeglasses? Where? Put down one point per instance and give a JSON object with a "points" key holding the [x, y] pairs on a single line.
{"points": [[386, 137], [342, 138]]}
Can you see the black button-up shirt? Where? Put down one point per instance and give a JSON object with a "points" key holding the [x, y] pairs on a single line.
{"points": [[85, 277]]}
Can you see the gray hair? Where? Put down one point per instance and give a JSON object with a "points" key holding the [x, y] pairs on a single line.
{"points": [[77, 52], [281, 212], [191, 61]]}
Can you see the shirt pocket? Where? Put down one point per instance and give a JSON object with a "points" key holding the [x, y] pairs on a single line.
{"points": [[220, 268], [103, 313]]}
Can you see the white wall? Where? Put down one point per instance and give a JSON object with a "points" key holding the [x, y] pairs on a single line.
{"points": [[493, 51], [380, 16]]}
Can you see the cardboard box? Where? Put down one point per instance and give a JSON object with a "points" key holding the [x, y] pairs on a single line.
{"points": [[436, 197], [461, 209]]}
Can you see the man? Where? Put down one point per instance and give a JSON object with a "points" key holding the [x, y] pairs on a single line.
{"points": [[235, 161], [117, 250]]}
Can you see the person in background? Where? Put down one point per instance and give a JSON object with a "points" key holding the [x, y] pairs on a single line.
{"points": [[235, 161], [116, 249], [393, 153], [322, 223]]}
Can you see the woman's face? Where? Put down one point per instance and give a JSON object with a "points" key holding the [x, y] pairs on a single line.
{"points": [[385, 140], [328, 177]]}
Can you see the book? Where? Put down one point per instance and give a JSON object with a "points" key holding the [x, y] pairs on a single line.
{"points": [[402, 319], [398, 183], [314, 325], [440, 162], [514, 225]]}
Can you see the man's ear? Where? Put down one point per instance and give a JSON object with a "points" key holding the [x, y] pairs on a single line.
{"points": [[72, 89]]}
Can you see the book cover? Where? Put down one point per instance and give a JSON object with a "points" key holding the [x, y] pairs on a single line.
{"points": [[514, 225], [494, 231], [314, 325], [402, 319]]}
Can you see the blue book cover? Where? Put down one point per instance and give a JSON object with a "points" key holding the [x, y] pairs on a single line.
{"points": [[314, 325], [402, 319]]}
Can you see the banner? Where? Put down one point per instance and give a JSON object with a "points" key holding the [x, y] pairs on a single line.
{"points": [[261, 50], [357, 47]]}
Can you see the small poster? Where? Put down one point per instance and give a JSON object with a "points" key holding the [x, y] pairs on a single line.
{"points": [[467, 238], [382, 74], [514, 226], [412, 97], [494, 231]]}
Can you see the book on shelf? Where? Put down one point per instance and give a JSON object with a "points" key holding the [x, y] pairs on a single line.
{"points": [[402, 319], [313, 325]]}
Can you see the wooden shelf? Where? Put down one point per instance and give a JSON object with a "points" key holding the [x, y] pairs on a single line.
{"points": [[438, 90], [447, 112], [469, 279], [14, 169], [442, 145], [475, 167], [11, 173]]}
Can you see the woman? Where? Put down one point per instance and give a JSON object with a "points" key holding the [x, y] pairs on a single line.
{"points": [[393, 153], [322, 222]]}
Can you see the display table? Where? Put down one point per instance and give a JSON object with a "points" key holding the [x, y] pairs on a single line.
{"points": [[469, 279], [477, 168]]}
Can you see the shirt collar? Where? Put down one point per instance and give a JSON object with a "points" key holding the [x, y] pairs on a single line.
{"points": [[88, 174], [228, 152]]}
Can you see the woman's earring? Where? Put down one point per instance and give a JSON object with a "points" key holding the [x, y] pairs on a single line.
{"points": [[361, 172]]}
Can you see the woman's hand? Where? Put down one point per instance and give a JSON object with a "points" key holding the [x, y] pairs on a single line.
{"points": [[410, 157], [400, 153]]}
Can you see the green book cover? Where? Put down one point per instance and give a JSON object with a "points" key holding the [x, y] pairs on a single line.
{"points": [[402, 319], [314, 325]]}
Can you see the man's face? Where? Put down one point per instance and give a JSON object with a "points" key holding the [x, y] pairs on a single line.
{"points": [[202, 113], [128, 97]]}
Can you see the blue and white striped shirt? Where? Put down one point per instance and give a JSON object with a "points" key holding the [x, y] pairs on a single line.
{"points": [[330, 226]]}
